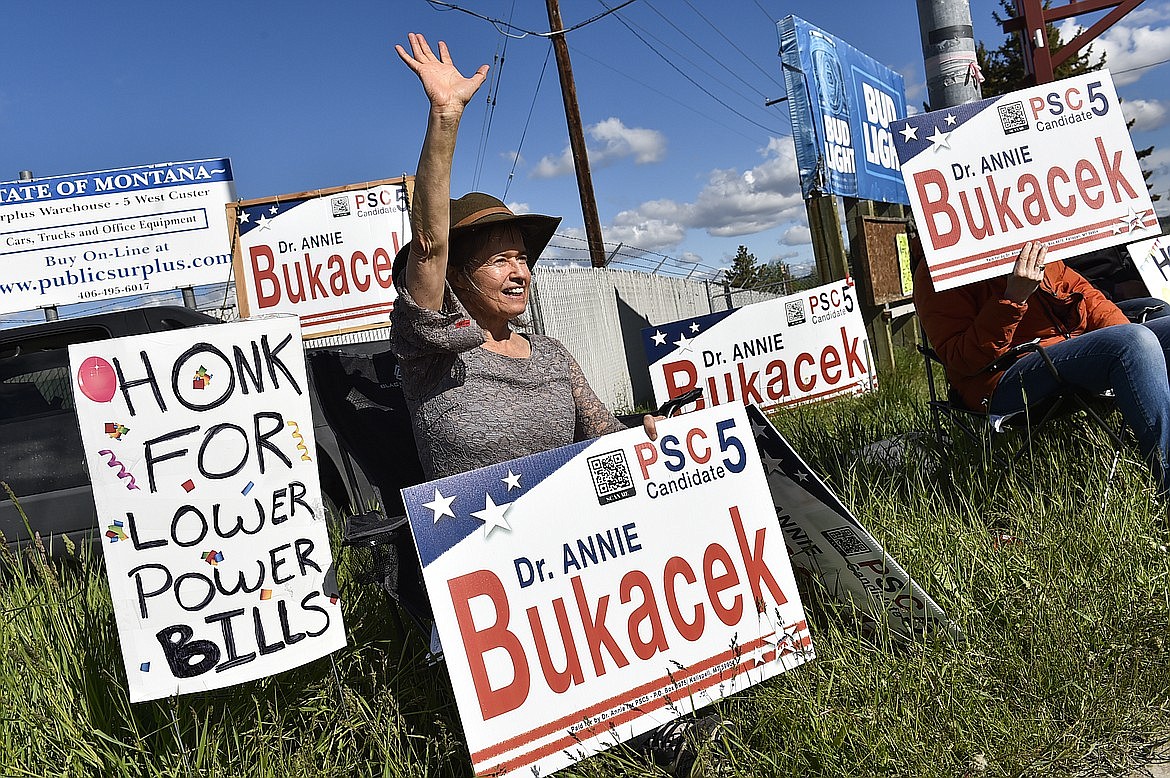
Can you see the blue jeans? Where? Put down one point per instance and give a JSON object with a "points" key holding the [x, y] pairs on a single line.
{"points": [[1130, 359]]}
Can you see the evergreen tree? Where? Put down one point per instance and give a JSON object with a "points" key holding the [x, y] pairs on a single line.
{"points": [[744, 272], [1003, 68]]}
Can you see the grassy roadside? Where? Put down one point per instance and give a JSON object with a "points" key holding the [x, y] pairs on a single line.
{"points": [[1057, 575]]}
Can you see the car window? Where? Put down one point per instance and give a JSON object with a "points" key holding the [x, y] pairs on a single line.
{"points": [[35, 384]]}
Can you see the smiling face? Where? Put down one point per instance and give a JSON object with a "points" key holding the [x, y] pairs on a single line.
{"points": [[493, 281]]}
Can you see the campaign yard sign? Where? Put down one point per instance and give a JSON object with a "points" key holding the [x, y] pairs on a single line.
{"points": [[95, 236], [825, 540], [325, 255], [595, 591], [199, 444], [1051, 163], [1152, 259], [804, 347]]}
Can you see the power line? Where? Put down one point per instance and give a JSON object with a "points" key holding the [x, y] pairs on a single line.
{"points": [[503, 26], [756, 65], [709, 116], [682, 73], [493, 92], [706, 51], [524, 132], [755, 103]]}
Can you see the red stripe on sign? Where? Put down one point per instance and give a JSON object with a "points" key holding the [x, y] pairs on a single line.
{"points": [[349, 317], [977, 263], [339, 311], [1015, 247], [854, 387], [564, 722], [569, 740]]}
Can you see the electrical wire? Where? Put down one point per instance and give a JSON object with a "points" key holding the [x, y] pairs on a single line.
{"points": [[755, 102], [492, 96], [708, 116], [756, 65], [683, 73], [706, 52], [524, 132], [503, 26]]}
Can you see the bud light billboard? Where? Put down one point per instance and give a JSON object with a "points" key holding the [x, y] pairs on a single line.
{"points": [[843, 106]]}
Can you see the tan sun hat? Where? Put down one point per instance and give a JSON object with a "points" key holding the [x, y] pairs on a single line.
{"points": [[477, 209]]}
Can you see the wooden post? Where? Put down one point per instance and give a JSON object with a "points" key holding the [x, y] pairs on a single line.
{"points": [[828, 247], [877, 324], [576, 137]]}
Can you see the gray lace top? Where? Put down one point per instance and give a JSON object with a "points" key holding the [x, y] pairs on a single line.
{"points": [[472, 407]]}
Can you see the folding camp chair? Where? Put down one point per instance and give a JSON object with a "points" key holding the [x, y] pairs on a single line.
{"points": [[361, 398], [979, 426]]}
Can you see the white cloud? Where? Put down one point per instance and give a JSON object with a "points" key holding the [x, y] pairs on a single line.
{"points": [[608, 142], [1138, 39], [730, 204], [798, 235], [1145, 114]]}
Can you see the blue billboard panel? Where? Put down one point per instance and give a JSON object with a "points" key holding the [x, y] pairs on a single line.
{"points": [[843, 104]]}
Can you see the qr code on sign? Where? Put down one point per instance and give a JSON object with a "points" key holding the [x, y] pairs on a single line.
{"points": [[1013, 118], [794, 312], [846, 541], [612, 479]]}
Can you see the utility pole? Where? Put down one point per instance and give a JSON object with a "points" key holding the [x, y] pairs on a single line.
{"points": [[948, 52], [576, 136]]}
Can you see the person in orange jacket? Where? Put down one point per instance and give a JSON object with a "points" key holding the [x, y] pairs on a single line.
{"points": [[1091, 342]]}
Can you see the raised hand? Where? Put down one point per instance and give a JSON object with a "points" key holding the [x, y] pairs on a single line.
{"points": [[444, 85], [1027, 273]]}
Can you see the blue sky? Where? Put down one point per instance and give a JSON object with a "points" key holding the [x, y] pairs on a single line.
{"points": [[687, 161]]}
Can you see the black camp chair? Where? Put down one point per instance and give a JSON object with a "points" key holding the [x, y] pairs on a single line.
{"points": [[361, 398], [980, 427]]}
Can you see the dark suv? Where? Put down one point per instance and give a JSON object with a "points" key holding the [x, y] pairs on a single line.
{"points": [[41, 457]]}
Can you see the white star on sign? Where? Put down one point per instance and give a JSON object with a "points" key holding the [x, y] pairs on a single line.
{"points": [[940, 139], [440, 506], [512, 480], [493, 515], [274, 210], [771, 464], [909, 132], [694, 326], [262, 222], [683, 343], [950, 117], [243, 217], [757, 428], [659, 338], [801, 475], [1133, 220]]}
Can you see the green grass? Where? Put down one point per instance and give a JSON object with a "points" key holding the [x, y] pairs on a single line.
{"points": [[1057, 576]]}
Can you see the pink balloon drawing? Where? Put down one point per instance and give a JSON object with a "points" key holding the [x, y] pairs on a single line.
{"points": [[96, 379]]}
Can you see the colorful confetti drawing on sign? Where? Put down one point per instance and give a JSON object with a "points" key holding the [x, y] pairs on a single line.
{"points": [[113, 461]]}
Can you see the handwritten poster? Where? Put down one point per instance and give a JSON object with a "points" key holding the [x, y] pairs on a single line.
{"points": [[1051, 163], [199, 444], [590, 593], [1152, 259]]}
